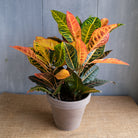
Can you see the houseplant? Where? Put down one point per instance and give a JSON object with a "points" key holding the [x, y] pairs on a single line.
{"points": [[68, 70]]}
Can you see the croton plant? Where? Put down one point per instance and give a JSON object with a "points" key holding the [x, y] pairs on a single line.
{"points": [[68, 69]]}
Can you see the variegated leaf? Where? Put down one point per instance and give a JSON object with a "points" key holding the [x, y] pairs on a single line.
{"points": [[104, 22], [64, 31], [97, 82], [36, 64], [62, 74], [71, 56], [110, 60], [39, 88], [87, 89], [59, 55], [43, 51], [88, 28], [40, 82], [45, 77], [90, 74], [73, 26], [98, 53], [28, 52], [47, 43], [100, 36], [81, 51], [106, 53], [60, 18]]}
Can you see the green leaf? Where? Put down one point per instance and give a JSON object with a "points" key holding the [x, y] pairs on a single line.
{"points": [[39, 88], [70, 56], [88, 27], [36, 64], [78, 19], [59, 54], [99, 52], [60, 18], [106, 53], [74, 82], [86, 89], [76, 86], [57, 91], [40, 82], [98, 82], [90, 74], [64, 31]]}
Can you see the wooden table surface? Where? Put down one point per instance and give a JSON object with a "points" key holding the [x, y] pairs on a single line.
{"points": [[29, 116]]}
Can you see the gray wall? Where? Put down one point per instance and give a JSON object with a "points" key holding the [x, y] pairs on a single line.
{"points": [[22, 20]]}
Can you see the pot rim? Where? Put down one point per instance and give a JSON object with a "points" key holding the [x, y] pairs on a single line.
{"points": [[69, 104]]}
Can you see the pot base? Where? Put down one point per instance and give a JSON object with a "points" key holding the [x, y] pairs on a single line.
{"points": [[68, 115]]}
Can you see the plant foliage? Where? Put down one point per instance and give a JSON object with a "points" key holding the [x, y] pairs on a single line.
{"points": [[67, 67]]}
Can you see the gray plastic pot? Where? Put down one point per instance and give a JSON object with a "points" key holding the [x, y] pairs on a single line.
{"points": [[68, 115]]}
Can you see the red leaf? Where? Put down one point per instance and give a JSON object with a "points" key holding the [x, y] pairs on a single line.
{"points": [[73, 25]]}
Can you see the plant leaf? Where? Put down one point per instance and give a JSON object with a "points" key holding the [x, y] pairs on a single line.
{"points": [[81, 51], [86, 89], [106, 53], [59, 54], [77, 87], [39, 88], [98, 82], [60, 18], [74, 82], [90, 74], [70, 56], [47, 43], [40, 82], [36, 64], [57, 90], [100, 37], [110, 60], [104, 22], [42, 50], [88, 28], [45, 77], [73, 26], [28, 52], [98, 53], [62, 74], [78, 19]]}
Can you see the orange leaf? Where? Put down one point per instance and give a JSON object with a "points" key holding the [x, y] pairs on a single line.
{"points": [[73, 25], [104, 22], [81, 51], [46, 43], [110, 60], [28, 52], [62, 74], [100, 37]]}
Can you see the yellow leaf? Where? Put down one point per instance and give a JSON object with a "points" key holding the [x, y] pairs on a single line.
{"points": [[62, 74], [43, 51], [46, 43]]}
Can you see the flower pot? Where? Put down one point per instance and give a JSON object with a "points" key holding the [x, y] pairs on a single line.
{"points": [[68, 115]]}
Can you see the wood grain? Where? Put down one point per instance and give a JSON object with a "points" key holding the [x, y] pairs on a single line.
{"points": [[29, 116]]}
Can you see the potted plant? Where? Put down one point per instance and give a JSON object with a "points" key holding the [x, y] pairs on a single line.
{"points": [[68, 67]]}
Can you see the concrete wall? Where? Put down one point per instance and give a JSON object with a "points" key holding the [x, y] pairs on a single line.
{"points": [[22, 20]]}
